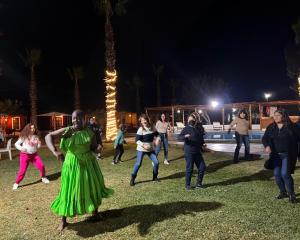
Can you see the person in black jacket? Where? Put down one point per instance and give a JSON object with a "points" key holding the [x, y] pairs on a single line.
{"points": [[193, 142], [281, 142]]}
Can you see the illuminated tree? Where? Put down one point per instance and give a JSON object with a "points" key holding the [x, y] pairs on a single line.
{"points": [[105, 8]]}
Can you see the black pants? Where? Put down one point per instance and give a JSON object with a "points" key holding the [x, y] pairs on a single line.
{"points": [[119, 152], [191, 159]]}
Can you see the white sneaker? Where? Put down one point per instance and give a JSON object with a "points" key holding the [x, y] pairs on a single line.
{"points": [[15, 186], [166, 162], [45, 180]]}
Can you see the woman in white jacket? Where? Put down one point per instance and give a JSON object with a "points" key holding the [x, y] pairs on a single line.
{"points": [[28, 144]]}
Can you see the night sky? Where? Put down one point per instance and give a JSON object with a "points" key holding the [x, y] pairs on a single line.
{"points": [[241, 42]]}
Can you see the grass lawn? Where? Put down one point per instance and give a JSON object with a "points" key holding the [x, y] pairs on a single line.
{"points": [[237, 203]]}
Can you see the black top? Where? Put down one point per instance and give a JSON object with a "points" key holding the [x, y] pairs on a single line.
{"points": [[281, 138], [194, 143], [97, 131]]}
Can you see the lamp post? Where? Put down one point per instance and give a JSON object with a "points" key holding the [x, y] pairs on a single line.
{"points": [[267, 96]]}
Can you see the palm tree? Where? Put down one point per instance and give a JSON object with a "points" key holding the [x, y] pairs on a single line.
{"points": [[138, 84], [76, 73], [32, 60], [157, 70], [105, 8], [174, 85]]}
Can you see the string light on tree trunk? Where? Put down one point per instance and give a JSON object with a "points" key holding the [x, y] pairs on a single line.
{"points": [[111, 103]]}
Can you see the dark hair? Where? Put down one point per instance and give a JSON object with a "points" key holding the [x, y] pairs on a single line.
{"points": [[243, 111], [285, 117], [78, 112], [26, 131], [145, 116], [159, 118], [196, 116], [122, 127]]}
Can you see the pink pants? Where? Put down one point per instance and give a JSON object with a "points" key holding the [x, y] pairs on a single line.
{"points": [[25, 158]]}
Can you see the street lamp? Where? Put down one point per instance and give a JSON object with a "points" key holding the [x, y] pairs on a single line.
{"points": [[267, 96], [178, 111], [214, 104]]}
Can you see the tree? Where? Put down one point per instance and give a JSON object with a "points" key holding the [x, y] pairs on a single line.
{"points": [[157, 70], [138, 84], [105, 7], [11, 107], [76, 74], [174, 85], [32, 60]]}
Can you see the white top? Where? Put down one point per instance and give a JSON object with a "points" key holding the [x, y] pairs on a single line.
{"points": [[28, 145], [162, 127], [146, 136]]}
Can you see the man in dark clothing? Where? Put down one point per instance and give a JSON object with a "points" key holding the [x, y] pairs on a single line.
{"points": [[193, 142], [96, 128]]}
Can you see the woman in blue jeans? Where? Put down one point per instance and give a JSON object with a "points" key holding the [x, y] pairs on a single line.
{"points": [[162, 127], [281, 142], [146, 138]]}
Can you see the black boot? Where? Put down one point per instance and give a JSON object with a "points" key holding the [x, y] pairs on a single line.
{"points": [[155, 178], [132, 183], [282, 195], [292, 198]]}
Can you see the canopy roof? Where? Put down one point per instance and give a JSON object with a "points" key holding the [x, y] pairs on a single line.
{"points": [[52, 114]]}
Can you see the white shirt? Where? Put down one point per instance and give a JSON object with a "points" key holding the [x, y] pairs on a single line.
{"points": [[30, 144]]}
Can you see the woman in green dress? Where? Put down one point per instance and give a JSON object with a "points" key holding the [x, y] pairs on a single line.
{"points": [[82, 183]]}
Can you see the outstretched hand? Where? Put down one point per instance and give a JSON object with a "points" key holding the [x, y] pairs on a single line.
{"points": [[59, 155]]}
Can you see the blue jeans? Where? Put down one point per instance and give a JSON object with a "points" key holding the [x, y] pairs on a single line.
{"points": [[282, 174], [164, 141], [240, 139], [191, 159], [139, 160]]}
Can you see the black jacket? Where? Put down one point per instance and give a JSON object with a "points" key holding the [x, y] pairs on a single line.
{"points": [[293, 139], [194, 143]]}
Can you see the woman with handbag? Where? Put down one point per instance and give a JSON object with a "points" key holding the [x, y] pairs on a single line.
{"points": [[281, 142]]}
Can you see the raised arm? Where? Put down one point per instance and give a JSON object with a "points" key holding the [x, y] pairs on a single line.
{"points": [[50, 144]]}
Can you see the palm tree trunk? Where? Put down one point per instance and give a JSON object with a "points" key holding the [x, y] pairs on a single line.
{"points": [[158, 91], [110, 81], [76, 95], [138, 101], [33, 96]]}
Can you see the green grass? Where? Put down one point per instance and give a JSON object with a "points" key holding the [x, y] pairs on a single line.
{"points": [[238, 202]]}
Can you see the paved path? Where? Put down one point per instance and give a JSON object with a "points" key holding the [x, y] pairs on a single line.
{"points": [[255, 148]]}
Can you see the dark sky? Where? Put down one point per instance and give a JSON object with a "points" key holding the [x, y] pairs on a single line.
{"points": [[241, 42]]}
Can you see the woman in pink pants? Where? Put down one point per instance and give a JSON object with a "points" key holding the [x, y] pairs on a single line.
{"points": [[28, 143]]}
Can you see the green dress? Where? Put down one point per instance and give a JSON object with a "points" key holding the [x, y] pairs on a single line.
{"points": [[82, 183]]}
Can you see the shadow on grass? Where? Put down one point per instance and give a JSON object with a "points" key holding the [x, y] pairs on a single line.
{"points": [[51, 177], [174, 159], [262, 175], [143, 215]]}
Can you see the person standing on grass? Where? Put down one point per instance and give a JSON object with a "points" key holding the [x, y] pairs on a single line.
{"points": [[28, 144], [82, 183], [281, 143], [162, 127], [193, 142], [118, 144], [146, 137], [241, 135], [96, 128]]}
